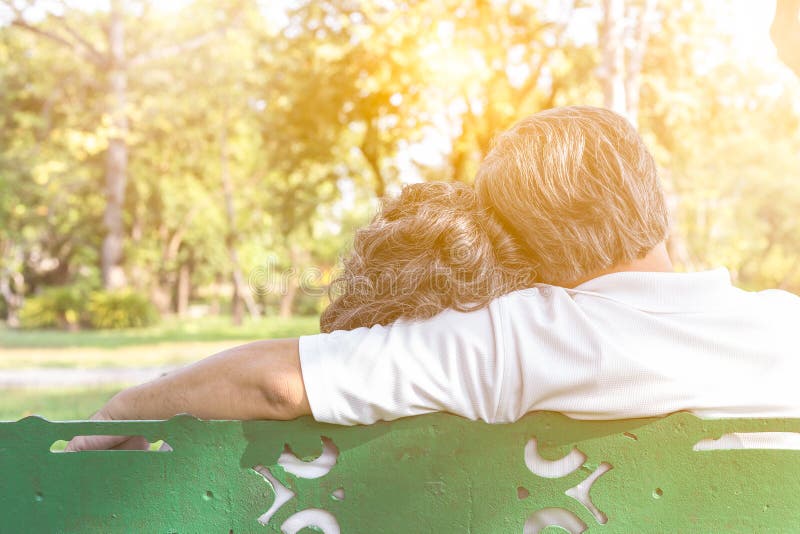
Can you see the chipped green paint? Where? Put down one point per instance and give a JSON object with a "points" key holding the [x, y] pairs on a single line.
{"points": [[435, 473]]}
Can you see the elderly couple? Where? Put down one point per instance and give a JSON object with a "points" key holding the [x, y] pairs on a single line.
{"points": [[546, 287]]}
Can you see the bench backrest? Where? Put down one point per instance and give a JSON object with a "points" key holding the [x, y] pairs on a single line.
{"points": [[436, 473]]}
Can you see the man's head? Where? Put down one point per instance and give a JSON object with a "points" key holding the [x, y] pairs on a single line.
{"points": [[578, 189]]}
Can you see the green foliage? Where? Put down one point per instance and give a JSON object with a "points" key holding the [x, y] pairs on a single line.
{"points": [[70, 307], [310, 303], [37, 312], [315, 108], [120, 309], [50, 161], [61, 307], [167, 331]]}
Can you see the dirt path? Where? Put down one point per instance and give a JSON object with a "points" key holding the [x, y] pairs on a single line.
{"points": [[153, 355], [37, 377], [96, 366]]}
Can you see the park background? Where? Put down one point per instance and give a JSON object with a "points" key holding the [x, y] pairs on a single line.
{"points": [[177, 177]]}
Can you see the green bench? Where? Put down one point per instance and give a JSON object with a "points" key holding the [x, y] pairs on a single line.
{"points": [[436, 473]]}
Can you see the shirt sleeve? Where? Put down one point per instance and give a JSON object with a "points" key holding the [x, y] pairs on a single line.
{"points": [[452, 362]]}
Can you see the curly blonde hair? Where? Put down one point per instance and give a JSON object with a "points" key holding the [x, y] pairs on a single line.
{"points": [[429, 249]]}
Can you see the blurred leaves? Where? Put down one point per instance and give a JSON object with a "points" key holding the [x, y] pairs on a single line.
{"points": [[315, 108]]}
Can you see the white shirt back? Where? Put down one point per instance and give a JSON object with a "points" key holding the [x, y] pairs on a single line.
{"points": [[623, 345]]}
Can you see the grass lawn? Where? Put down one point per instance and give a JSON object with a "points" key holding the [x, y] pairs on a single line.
{"points": [[170, 330], [53, 404], [172, 342]]}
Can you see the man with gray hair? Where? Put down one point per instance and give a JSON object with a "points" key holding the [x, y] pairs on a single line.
{"points": [[578, 189], [611, 332]]}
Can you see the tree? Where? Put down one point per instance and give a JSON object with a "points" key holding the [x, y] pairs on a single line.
{"points": [[115, 59], [276, 140], [726, 145], [358, 63], [198, 151], [49, 204], [625, 31], [494, 62]]}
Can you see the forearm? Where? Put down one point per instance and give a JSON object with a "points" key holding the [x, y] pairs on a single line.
{"points": [[260, 380]]}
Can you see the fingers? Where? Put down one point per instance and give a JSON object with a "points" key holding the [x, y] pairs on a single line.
{"points": [[105, 442], [93, 443], [101, 443], [133, 443]]}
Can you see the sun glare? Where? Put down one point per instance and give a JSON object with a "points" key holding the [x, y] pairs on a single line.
{"points": [[449, 62], [749, 23]]}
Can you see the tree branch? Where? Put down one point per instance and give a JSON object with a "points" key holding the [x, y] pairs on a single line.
{"points": [[74, 47], [370, 151], [79, 46], [10, 4], [193, 43], [523, 93], [188, 45], [636, 57], [98, 57]]}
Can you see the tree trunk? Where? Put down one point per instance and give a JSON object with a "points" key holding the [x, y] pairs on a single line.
{"points": [[636, 55], [115, 63], [459, 156], [216, 306], [612, 50], [371, 151], [12, 286], [160, 296], [117, 155], [237, 306], [622, 59], [241, 293], [286, 308], [184, 289]]}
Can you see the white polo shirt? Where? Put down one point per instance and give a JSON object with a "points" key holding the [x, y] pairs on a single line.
{"points": [[623, 345]]}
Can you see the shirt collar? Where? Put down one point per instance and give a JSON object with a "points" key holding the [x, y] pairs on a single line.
{"points": [[662, 292]]}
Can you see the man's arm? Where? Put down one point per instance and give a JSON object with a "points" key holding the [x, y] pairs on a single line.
{"points": [[453, 362], [259, 380]]}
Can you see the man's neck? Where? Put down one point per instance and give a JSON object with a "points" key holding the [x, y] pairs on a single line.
{"points": [[656, 261]]}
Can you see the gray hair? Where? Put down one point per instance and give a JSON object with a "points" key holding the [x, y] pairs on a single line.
{"points": [[578, 189]]}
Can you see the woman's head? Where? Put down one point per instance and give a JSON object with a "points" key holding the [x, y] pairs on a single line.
{"points": [[429, 249]]}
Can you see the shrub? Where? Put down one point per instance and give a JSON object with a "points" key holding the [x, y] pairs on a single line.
{"points": [[61, 307], [309, 304], [120, 309], [37, 312]]}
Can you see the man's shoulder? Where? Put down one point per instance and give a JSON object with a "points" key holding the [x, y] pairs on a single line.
{"points": [[771, 311], [776, 297]]}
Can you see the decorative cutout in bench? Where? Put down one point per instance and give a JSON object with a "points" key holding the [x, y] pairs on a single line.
{"points": [[435, 473]]}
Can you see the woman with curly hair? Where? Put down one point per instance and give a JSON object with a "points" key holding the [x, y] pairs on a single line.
{"points": [[430, 249]]}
